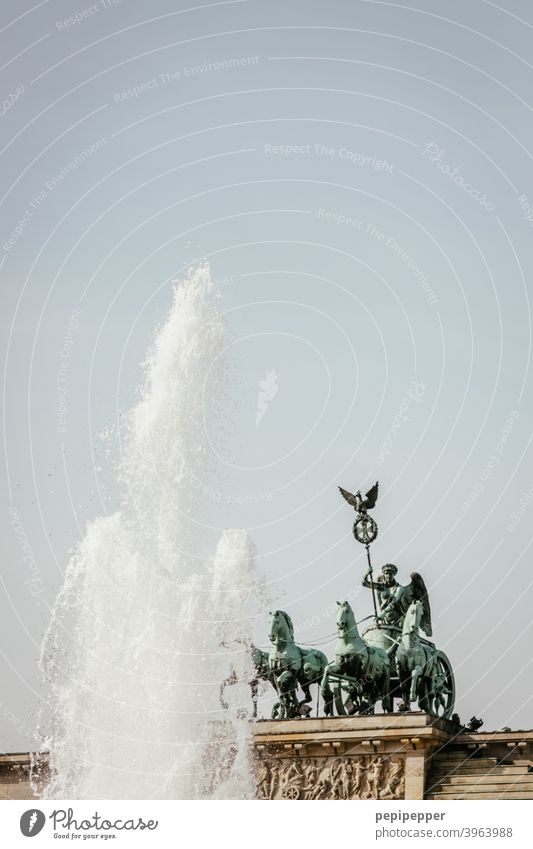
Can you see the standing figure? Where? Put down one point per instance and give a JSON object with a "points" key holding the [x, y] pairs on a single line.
{"points": [[375, 777], [311, 777], [394, 599], [274, 779], [357, 782], [346, 778], [336, 781], [263, 780]]}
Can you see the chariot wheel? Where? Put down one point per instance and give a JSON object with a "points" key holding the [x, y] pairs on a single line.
{"points": [[441, 701], [291, 792]]}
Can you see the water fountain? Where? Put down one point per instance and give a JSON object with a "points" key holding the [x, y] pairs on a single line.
{"points": [[143, 629]]}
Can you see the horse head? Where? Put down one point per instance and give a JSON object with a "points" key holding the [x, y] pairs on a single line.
{"points": [[346, 625], [281, 627], [411, 622]]}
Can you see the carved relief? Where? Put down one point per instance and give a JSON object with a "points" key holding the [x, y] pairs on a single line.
{"points": [[331, 778]]}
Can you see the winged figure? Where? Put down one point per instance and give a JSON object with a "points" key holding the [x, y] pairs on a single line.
{"points": [[394, 599], [360, 504]]}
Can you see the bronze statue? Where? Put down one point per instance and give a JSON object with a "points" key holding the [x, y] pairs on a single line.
{"points": [[360, 504], [290, 666], [366, 667], [388, 660], [394, 599]]}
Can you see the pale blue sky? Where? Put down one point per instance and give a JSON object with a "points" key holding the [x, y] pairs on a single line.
{"points": [[141, 138]]}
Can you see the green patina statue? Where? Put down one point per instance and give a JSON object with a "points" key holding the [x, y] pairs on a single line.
{"points": [[421, 673], [389, 660], [394, 599], [424, 673], [290, 666], [366, 668]]}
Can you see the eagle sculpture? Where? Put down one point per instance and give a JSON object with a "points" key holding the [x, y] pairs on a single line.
{"points": [[360, 504]]}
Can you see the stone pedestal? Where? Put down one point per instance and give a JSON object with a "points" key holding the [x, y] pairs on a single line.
{"points": [[384, 756]]}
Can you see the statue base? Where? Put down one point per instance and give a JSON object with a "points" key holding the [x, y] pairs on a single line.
{"points": [[384, 756], [389, 756]]}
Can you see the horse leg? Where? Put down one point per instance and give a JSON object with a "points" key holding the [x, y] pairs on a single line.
{"points": [[278, 710], [386, 702], [287, 689], [369, 698], [415, 676], [283, 705], [293, 695], [425, 697], [327, 693], [303, 705], [430, 696], [405, 683], [279, 707], [295, 704], [307, 693], [428, 700]]}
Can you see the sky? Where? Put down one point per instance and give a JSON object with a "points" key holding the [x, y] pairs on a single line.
{"points": [[359, 177]]}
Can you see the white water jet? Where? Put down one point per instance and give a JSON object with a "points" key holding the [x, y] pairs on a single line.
{"points": [[143, 631], [236, 595]]}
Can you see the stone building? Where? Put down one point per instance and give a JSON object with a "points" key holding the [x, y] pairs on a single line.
{"points": [[397, 756], [391, 757]]}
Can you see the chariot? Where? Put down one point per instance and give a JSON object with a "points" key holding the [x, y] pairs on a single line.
{"points": [[437, 685]]}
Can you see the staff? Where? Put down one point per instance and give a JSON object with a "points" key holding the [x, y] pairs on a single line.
{"points": [[365, 530], [367, 546]]}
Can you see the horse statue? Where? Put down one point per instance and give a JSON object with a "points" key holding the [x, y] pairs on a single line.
{"points": [[425, 673], [291, 665], [366, 668], [415, 662]]}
